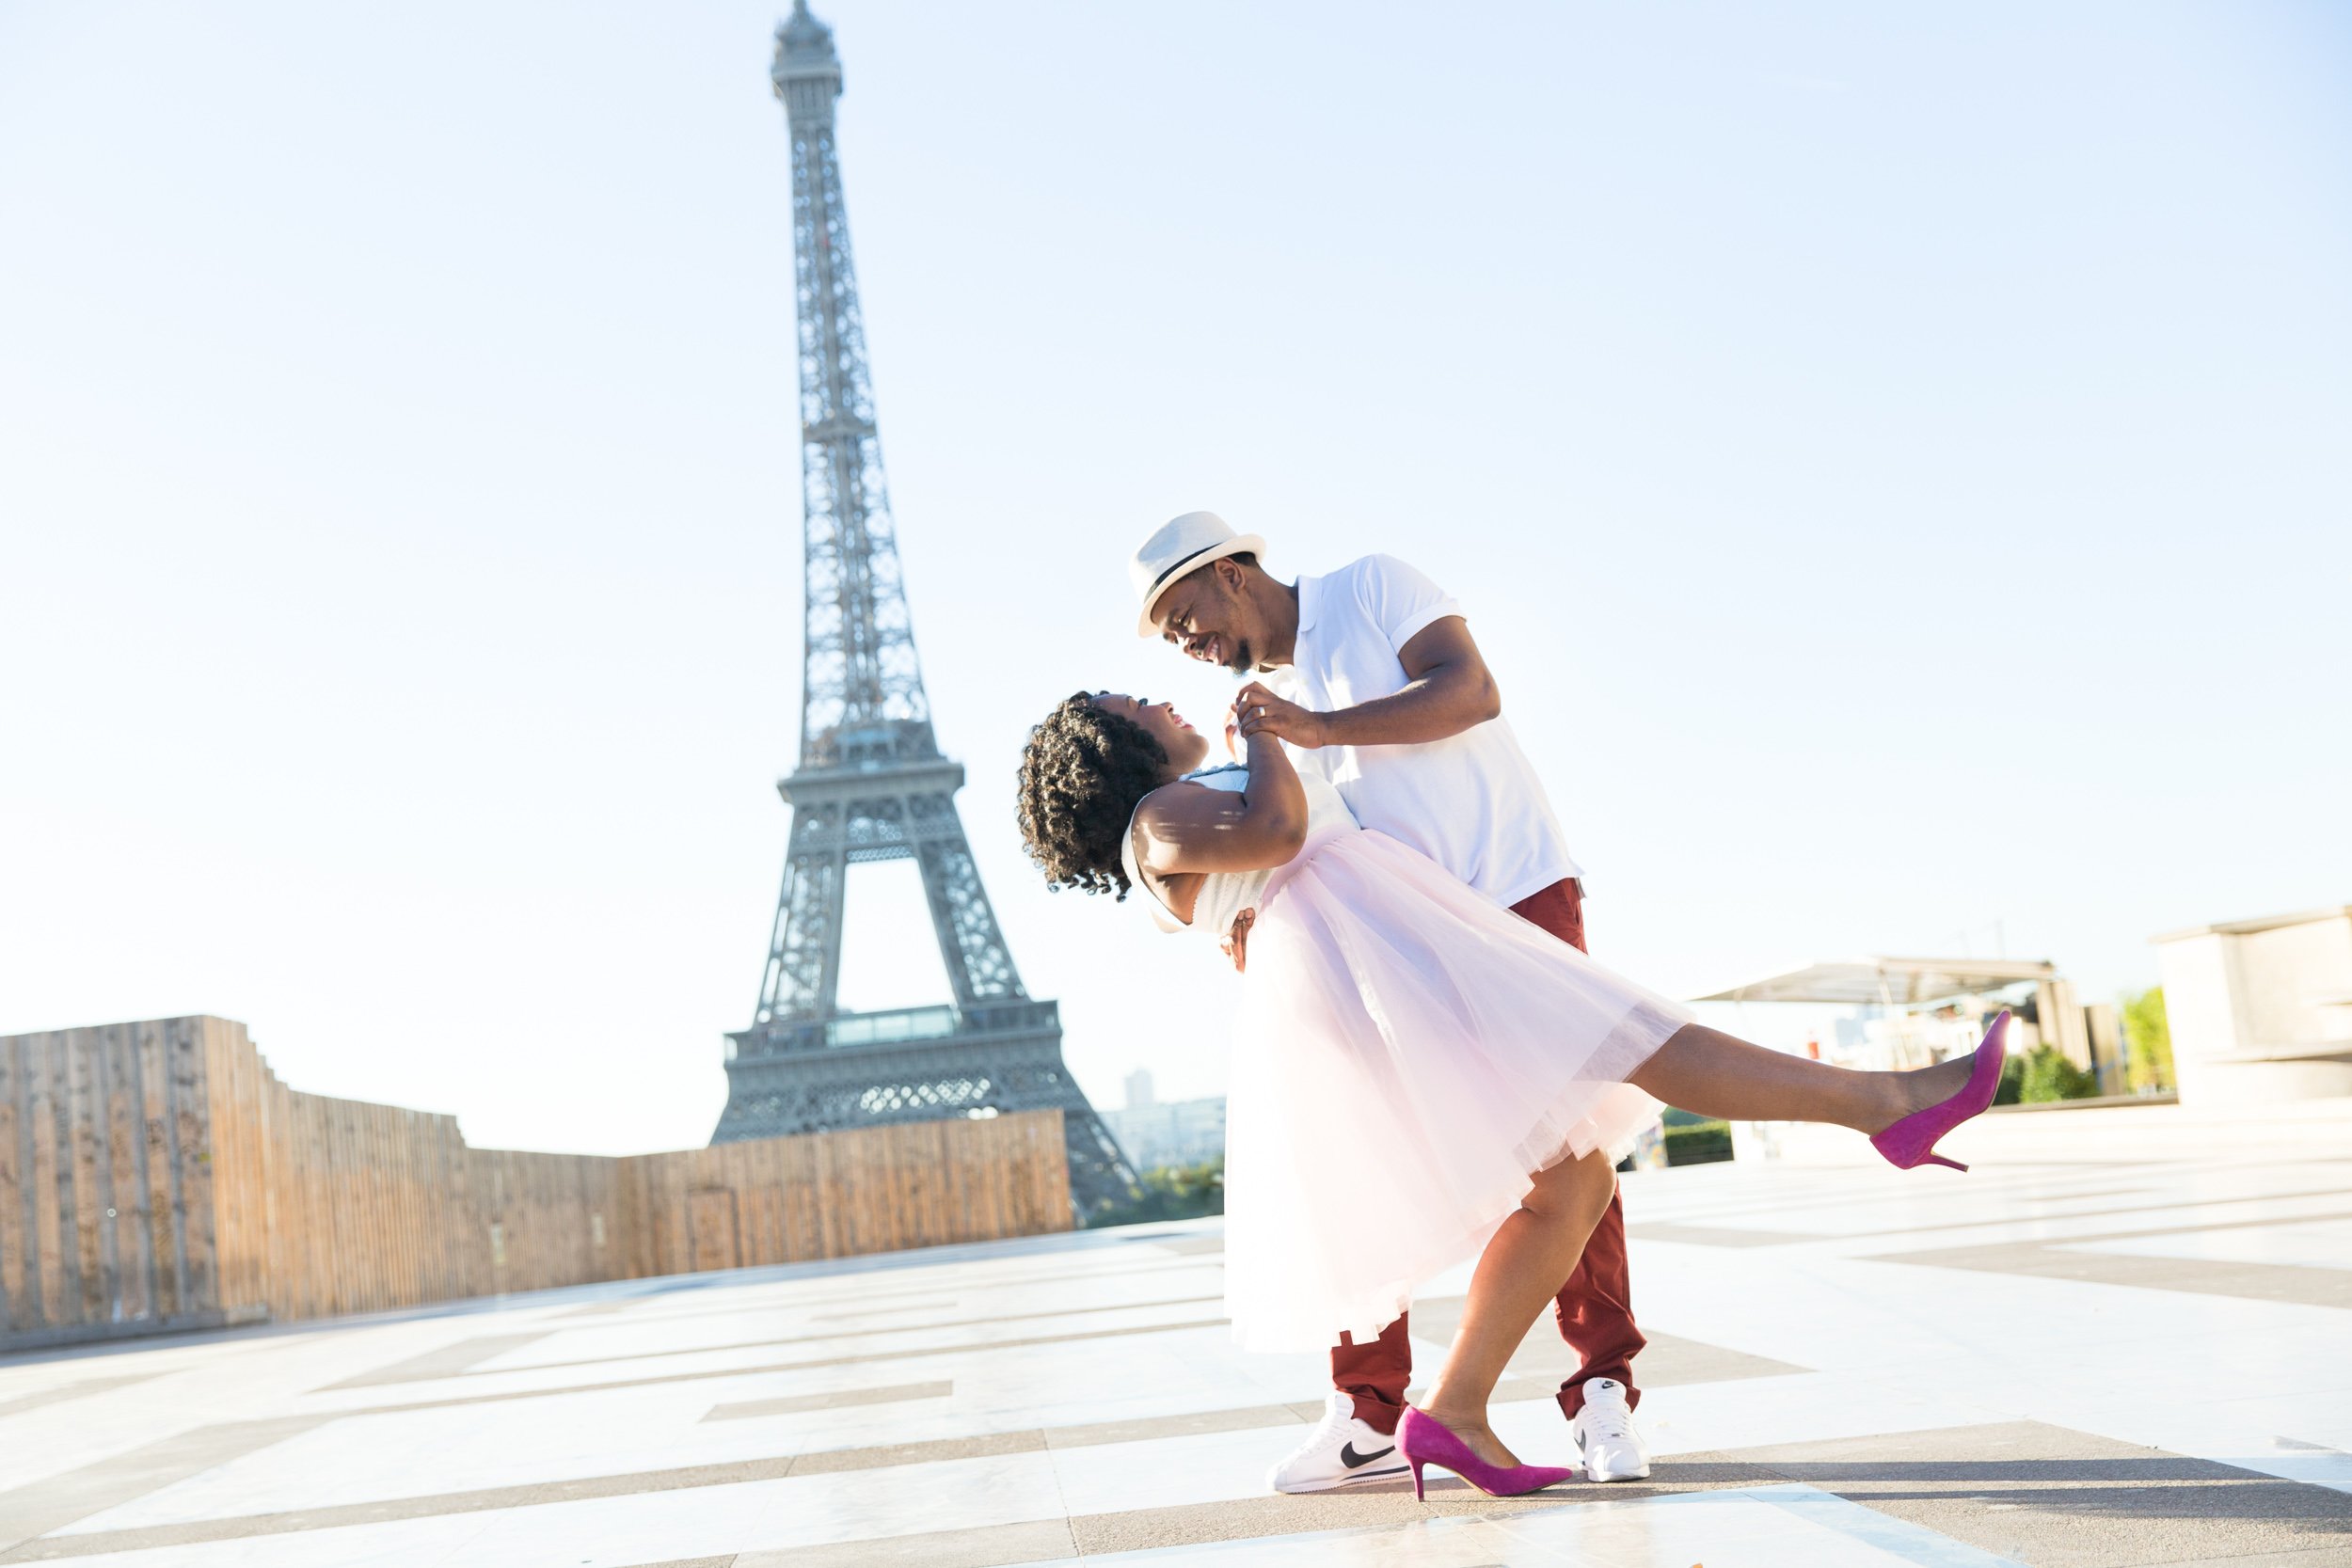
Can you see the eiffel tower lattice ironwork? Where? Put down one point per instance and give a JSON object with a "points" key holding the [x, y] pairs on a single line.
{"points": [[871, 783]]}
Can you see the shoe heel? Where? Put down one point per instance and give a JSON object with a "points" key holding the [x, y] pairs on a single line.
{"points": [[1932, 1158], [1416, 1465]]}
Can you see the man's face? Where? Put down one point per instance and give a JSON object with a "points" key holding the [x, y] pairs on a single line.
{"points": [[1207, 615]]}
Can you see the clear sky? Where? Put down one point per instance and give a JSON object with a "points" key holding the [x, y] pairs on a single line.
{"points": [[1894, 457]]}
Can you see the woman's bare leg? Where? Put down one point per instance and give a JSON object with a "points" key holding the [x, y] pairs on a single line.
{"points": [[1517, 1275], [1716, 1075], [1698, 1070]]}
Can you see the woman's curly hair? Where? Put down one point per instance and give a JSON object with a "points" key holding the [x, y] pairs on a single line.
{"points": [[1082, 774]]}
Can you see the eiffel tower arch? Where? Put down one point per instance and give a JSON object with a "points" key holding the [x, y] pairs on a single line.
{"points": [[871, 783]]}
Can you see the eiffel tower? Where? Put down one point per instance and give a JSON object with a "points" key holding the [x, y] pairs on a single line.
{"points": [[872, 784]]}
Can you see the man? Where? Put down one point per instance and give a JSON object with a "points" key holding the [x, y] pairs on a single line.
{"points": [[1371, 678]]}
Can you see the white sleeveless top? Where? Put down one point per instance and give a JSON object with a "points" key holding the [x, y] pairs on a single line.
{"points": [[1225, 893]]}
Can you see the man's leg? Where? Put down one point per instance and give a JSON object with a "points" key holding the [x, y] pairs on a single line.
{"points": [[1595, 1314], [1356, 1440], [1375, 1374], [1594, 1308]]}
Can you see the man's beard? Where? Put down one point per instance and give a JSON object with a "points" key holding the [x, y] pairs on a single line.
{"points": [[1243, 661]]}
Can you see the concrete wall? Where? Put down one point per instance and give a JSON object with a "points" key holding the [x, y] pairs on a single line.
{"points": [[2261, 1011]]}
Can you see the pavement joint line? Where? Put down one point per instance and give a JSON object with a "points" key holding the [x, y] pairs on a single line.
{"points": [[1801, 1183], [2287, 1284], [64, 1392], [2253, 1224], [593, 1309], [837, 1399], [1739, 1236], [2120, 1235], [2029, 1217], [1002, 1254], [374, 1378], [974, 1347], [1805, 1185], [771, 1304], [450, 1360], [1683, 1234], [2164, 1206]]}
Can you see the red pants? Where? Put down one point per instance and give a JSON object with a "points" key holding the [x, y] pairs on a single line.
{"points": [[1596, 1306]]}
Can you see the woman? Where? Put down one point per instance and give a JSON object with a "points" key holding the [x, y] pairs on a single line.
{"points": [[1390, 1007]]}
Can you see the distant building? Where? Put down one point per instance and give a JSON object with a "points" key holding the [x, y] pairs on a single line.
{"points": [[1181, 1132], [1139, 1088]]}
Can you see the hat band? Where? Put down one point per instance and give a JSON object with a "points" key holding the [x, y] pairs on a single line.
{"points": [[1157, 581]]}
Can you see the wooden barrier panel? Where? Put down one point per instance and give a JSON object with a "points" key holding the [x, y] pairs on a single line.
{"points": [[781, 1200], [157, 1176], [106, 1190]]}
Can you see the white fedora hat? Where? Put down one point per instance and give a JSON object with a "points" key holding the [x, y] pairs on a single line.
{"points": [[1189, 541]]}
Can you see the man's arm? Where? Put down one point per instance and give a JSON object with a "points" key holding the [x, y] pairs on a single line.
{"points": [[1448, 688]]}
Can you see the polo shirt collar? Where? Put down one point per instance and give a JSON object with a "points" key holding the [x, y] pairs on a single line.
{"points": [[1309, 601]]}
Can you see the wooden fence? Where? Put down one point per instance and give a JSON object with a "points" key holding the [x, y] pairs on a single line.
{"points": [[157, 1176]]}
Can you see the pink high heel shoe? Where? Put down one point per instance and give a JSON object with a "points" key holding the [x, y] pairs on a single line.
{"points": [[1425, 1440], [1912, 1141]]}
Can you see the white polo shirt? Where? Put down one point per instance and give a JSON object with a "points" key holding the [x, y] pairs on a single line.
{"points": [[1471, 801]]}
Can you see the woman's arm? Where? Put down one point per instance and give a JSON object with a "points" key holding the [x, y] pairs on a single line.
{"points": [[1182, 832]]}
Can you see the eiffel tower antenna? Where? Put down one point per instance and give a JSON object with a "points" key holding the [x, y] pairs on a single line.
{"points": [[871, 784]]}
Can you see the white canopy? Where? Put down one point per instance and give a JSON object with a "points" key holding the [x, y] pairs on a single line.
{"points": [[1890, 982]]}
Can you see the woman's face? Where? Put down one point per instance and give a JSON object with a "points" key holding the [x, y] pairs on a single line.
{"points": [[1186, 747]]}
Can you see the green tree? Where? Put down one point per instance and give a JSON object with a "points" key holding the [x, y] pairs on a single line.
{"points": [[1698, 1143], [2011, 1087], [2050, 1076], [1168, 1193], [2148, 1042]]}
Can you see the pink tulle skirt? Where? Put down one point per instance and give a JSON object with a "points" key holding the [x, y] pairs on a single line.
{"points": [[1407, 1054]]}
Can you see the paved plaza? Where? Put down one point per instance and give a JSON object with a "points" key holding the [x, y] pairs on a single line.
{"points": [[2065, 1365]]}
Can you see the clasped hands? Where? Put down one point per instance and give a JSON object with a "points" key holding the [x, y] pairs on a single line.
{"points": [[1256, 708]]}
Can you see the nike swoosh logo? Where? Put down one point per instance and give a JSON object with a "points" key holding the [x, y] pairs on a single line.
{"points": [[1349, 1457]]}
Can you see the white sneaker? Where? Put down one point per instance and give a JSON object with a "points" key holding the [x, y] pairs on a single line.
{"points": [[1604, 1433], [1340, 1452]]}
